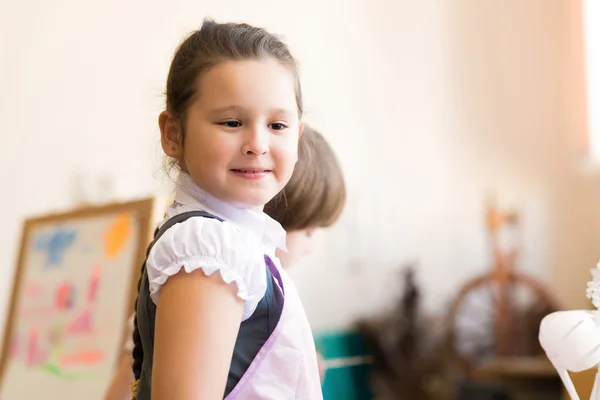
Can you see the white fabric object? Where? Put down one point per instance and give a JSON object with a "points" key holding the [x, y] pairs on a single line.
{"points": [[571, 339], [213, 246], [189, 197], [234, 248], [565, 337]]}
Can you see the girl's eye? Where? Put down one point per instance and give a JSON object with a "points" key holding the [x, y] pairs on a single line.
{"points": [[231, 124], [277, 126]]}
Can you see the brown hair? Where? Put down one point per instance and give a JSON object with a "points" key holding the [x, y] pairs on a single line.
{"points": [[316, 194], [204, 49]]}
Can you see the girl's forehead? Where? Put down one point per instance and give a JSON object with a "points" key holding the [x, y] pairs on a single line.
{"points": [[250, 84]]}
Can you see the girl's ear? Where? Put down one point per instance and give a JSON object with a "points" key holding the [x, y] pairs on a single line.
{"points": [[301, 129], [171, 138]]}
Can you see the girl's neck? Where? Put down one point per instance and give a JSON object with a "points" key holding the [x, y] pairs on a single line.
{"points": [[192, 197], [186, 183]]}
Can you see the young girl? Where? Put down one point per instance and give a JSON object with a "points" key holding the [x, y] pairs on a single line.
{"points": [[216, 317], [313, 199]]}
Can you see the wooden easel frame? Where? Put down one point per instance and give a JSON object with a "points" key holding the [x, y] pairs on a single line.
{"points": [[144, 209]]}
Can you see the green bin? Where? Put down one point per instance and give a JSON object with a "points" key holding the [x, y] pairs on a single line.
{"points": [[348, 361]]}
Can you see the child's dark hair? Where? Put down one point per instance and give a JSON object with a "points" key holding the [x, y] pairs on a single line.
{"points": [[204, 49], [316, 193]]}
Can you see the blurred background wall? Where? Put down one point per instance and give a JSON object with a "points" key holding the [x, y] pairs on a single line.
{"points": [[430, 106]]}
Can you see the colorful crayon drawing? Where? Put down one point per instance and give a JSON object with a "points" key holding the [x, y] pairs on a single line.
{"points": [[117, 235], [74, 278], [50, 346], [55, 245]]}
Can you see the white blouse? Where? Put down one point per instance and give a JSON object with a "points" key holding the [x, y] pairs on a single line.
{"points": [[234, 248]]}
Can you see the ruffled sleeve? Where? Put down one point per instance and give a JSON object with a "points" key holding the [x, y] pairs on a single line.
{"points": [[213, 246]]}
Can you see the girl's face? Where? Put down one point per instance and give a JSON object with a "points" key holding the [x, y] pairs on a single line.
{"points": [[241, 132], [299, 244]]}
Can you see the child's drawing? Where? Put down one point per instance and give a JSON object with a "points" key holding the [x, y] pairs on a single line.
{"points": [[68, 314], [59, 329]]}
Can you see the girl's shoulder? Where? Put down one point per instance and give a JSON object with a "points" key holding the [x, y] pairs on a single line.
{"points": [[212, 245]]}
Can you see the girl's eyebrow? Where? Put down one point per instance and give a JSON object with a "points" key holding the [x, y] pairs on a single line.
{"points": [[225, 109], [236, 108]]}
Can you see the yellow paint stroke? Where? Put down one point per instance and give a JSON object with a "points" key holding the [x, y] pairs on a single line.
{"points": [[116, 236]]}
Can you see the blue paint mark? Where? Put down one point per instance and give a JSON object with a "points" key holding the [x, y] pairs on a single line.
{"points": [[55, 244]]}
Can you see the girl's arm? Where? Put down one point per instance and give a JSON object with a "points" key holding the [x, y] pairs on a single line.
{"points": [[197, 322], [119, 388]]}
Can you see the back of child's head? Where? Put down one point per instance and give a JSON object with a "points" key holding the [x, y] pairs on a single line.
{"points": [[316, 194], [215, 43]]}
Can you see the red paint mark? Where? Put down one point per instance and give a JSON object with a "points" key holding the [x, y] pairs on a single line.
{"points": [[84, 357], [94, 284], [65, 296], [32, 346], [82, 324], [35, 355]]}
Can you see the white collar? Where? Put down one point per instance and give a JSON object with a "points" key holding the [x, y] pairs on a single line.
{"points": [[191, 196]]}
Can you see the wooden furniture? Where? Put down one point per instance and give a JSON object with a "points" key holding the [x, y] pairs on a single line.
{"points": [[525, 378], [497, 314]]}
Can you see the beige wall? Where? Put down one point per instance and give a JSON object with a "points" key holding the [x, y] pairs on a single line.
{"points": [[429, 105]]}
